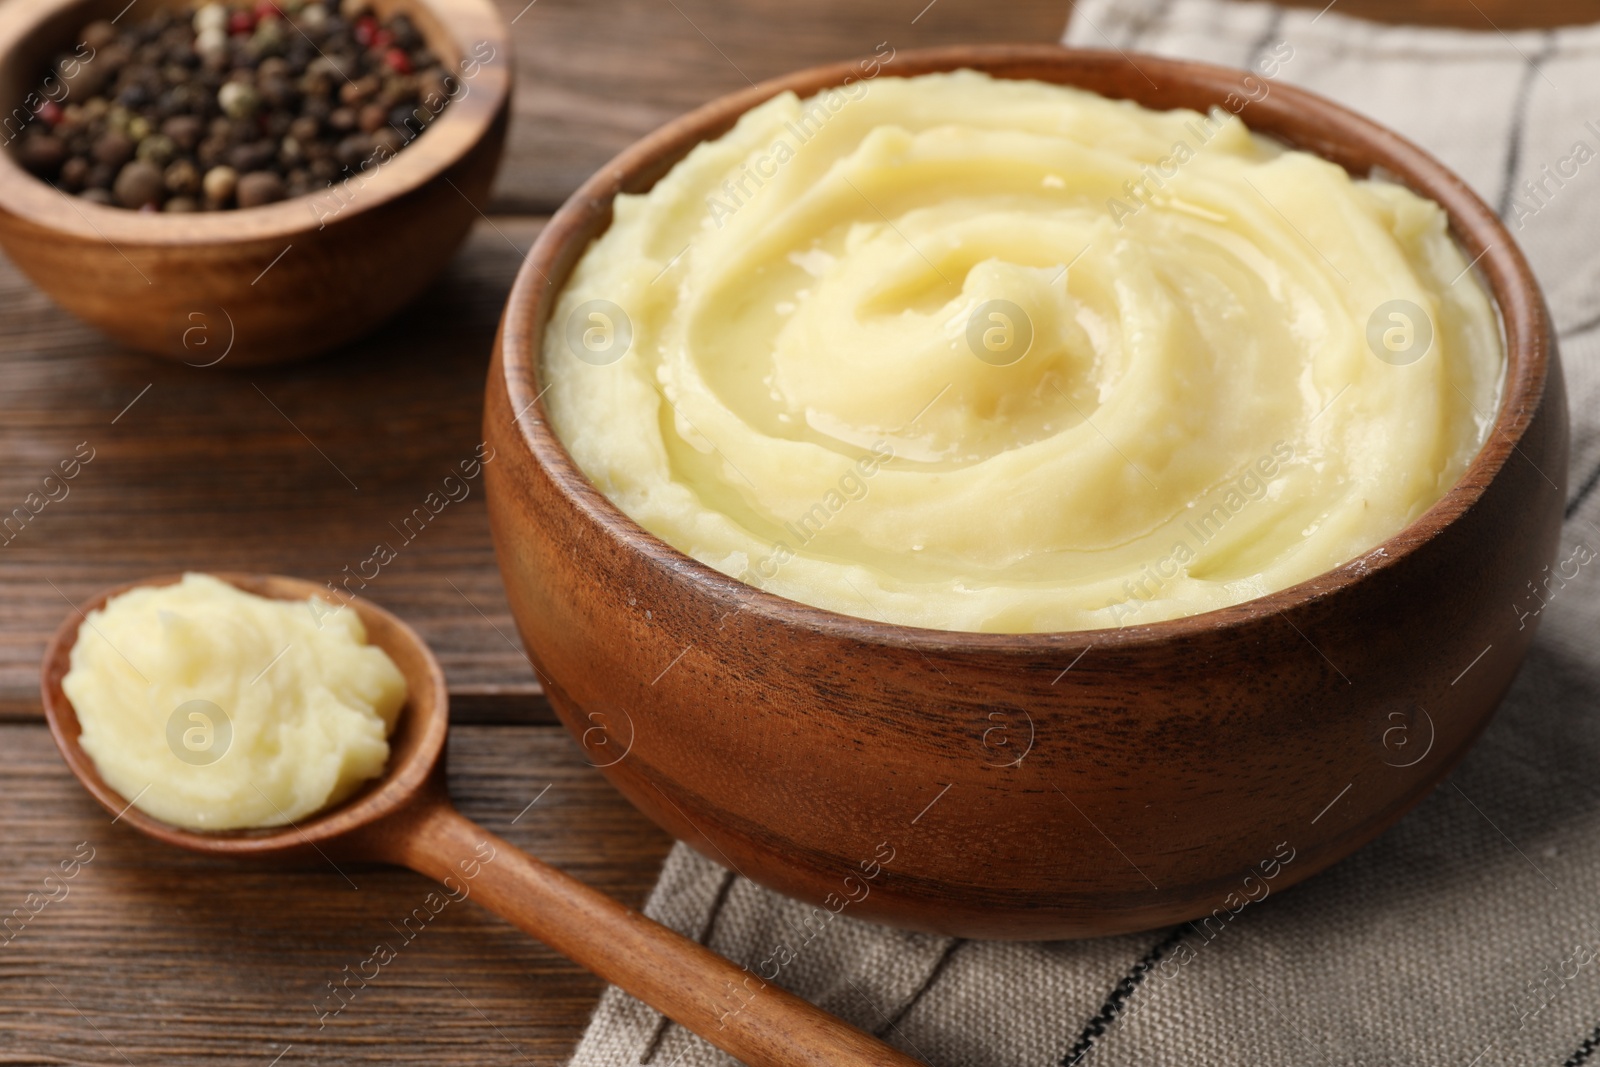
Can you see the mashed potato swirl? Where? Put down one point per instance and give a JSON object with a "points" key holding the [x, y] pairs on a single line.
{"points": [[987, 355]]}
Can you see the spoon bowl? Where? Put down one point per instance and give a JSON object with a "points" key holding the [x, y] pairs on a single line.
{"points": [[406, 818], [416, 744]]}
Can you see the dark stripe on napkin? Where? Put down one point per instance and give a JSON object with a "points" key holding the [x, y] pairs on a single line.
{"points": [[1118, 997]]}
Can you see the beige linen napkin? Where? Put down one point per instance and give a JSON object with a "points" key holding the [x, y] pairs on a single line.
{"points": [[1469, 934]]}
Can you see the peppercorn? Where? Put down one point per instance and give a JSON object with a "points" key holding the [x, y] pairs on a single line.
{"points": [[355, 93], [42, 154], [268, 40], [405, 31], [133, 95], [291, 94], [401, 118], [210, 17], [113, 148], [182, 178], [185, 131], [255, 155], [211, 44], [433, 86], [157, 148], [387, 141], [261, 187], [238, 100], [138, 183], [212, 151], [354, 150], [219, 185], [278, 94], [74, 174], [101, 175]]}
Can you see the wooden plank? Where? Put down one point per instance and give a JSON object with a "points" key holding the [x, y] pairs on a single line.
{"points": [[595, 75], [299, 470], [1487, 15], [151, 955]]}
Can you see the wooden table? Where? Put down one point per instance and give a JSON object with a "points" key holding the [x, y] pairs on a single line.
{"points": [[151, 956]]}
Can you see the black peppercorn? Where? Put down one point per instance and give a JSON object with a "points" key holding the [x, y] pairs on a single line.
{"points": [[231, 103]]}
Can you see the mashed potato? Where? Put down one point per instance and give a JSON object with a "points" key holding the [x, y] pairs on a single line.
{"points": [[991, 355], [214, 709]]}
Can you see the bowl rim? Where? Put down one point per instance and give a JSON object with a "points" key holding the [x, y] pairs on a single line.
{"points": [[461, 126], [1508, 278]]}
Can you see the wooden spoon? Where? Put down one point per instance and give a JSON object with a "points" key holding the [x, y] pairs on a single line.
{"points": [[406, 818]]}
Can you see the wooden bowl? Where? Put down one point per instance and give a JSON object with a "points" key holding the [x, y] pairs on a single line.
{"points": [[1177, 769], [266, 284]]}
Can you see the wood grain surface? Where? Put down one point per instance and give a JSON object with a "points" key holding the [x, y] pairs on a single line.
{"points": [[298, 471], [151, 955], [160, 957], [641, 62], [1487, 15]]}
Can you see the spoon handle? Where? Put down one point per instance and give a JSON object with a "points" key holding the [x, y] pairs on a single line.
{"points": [[734, 1009]]}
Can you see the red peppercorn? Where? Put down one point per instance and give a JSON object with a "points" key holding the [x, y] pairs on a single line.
{"points": [[398, 61], [241, 21], [50, 111], [265, 8], [365, 29], [382, 38]]}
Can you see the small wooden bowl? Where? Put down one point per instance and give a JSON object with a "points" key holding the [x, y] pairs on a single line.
{"points": [[1176, 769], [273, 283]]}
